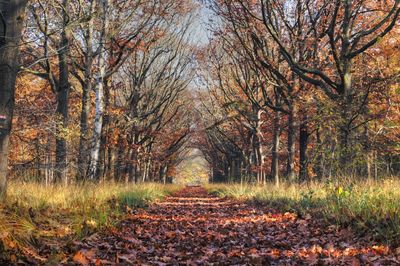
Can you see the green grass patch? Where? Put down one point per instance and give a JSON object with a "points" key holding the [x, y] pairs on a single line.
{"points": [[371, 207]]}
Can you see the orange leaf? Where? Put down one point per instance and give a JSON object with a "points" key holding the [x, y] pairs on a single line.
{"points": [[80, 258]]}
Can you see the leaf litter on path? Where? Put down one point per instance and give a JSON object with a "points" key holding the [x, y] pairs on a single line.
{"points": [[194, 228]]}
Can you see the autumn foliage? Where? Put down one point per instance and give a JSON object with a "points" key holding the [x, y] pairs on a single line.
{"points": [[296, 100], [301, 90]]}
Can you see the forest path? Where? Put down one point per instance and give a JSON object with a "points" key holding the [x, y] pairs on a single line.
{"points": [[192, 227]]}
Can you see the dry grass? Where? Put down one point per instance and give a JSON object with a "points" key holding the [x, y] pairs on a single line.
{"points": [[372, 207], [33, 212]]}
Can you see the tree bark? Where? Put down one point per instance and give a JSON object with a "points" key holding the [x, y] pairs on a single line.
{"points": [[346, 93], [118, 173], [291, 142], [104, 133], [86, 88], [11, 24], [275, 149], [303, 141], [62, 100], [259, 149], [93, 171]]}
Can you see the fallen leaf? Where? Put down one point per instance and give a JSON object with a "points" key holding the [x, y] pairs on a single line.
{"points": [[80, 258]]}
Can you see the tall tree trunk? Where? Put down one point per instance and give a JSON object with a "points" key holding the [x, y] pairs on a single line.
{"points": [[93, 171], [253, 159], [257, 157], [62, 100], [118, 163], [258, 141], [13, 15], [110, 162], [275, 149], [163, 173], [291, 142], [346, 157], [226, 170], [105, 133], [83, 138], [303, 146], [87, 87]]}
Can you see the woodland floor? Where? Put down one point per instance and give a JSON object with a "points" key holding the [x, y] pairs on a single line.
{"points": [[195, 228]]}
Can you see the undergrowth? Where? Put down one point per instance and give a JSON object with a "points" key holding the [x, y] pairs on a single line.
{"points": [[33, 213], [370, 207]]}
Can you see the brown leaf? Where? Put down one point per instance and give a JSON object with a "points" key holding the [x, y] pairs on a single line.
{"points": [[133, 240], [80, 258], [397, 251], [355, 262]]}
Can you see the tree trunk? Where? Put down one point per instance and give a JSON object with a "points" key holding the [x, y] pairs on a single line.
{"points": [[103, 166], [11, 24], [345, 158], [87, 87], [303, 146], [275, 149], [62, 100], [291, 142], [93, 172], [118, 163], [110, 163], [83, 138], [226, 170], [258, 142], [257, 157]]}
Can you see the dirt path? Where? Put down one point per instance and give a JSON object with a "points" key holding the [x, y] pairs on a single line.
{"points": [[194, 228]]}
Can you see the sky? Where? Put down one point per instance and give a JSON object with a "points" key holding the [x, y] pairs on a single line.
{"points": [[195, 168], [200, 32]]}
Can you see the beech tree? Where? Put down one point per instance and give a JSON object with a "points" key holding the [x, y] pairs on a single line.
{"points": [[12, 15]]}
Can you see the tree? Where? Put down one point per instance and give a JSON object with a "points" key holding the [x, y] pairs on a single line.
{"points": [[48, 56], [119, 44], [93, 171], [12, 15], [151, 84]]}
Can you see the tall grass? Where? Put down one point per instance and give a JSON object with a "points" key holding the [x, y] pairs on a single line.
{"points": [[369, 206], [33, 212]]}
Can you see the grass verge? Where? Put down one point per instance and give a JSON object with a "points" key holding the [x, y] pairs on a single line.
{"points": [[370, 207], [34, 215]]}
